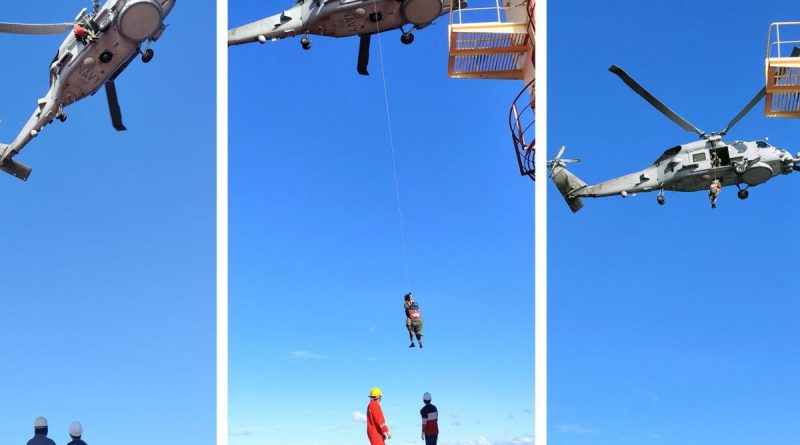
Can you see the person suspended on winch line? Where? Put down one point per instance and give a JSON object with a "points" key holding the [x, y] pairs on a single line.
{"points": [[413, 320], [713, 192]]}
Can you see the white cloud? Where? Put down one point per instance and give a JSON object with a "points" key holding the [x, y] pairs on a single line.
{"points": [[571, 428], [305, 355], [524, 440], [654, 397], [241, 433], [359, 417]]}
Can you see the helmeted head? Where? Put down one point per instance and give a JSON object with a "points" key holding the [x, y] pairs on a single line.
{"points": [[40, 425], [426, 397], [408, 296], [375, 393], [75, 429]]}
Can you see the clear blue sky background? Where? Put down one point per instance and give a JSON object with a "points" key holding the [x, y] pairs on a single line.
{"points": [[672, 325], [108, 250], [317, 275]]}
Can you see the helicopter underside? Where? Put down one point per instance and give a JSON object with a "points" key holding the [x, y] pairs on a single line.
{"points": [[83, 68], [345, 19], [340, 18], [111, 40]]}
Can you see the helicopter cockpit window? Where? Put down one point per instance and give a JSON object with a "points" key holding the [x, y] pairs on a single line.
{"points": [[669, 153], [699, 156], [762, 144]]}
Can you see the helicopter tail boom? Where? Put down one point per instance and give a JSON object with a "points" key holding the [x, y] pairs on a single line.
{"points": [[286, 24], [13, 167], [567, 184]]}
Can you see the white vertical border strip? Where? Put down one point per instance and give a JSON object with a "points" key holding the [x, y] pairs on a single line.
{"points": [[540, 231], [222, 222]]}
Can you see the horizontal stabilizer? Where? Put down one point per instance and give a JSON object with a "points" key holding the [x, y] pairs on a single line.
{"points": [[16, 169]]}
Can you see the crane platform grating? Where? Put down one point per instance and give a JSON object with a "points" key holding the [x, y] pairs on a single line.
{"points": [[488, 50]]}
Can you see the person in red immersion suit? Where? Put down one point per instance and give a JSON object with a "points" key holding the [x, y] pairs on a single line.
{"points": [[377, 431], [80, 33]]}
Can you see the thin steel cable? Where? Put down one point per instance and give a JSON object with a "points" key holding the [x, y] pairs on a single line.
{"points": [[392, 150]]}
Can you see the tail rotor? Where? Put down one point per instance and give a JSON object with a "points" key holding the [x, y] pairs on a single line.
{"points": [[558, 161]]}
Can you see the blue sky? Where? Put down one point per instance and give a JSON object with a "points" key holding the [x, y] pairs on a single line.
{"points": [[108, 294], [317, 274], [675, 324]]}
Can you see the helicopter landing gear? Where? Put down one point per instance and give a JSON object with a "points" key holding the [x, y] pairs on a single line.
{"points": [[305, 42], [61, 116], [147, 55], [407, 37], [661, 199], [743, 193]]}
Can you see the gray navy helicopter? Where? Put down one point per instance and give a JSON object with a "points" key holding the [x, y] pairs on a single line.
{"points": [[344, 18], [707, 164], [100, 45]]}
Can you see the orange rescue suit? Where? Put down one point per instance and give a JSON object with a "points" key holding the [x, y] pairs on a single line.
{"points": [[376, 424]]}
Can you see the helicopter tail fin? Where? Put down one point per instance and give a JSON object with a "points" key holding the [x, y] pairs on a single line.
{"points": [[13, 167], [568, 183]]}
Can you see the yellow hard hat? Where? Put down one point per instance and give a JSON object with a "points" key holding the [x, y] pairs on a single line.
{"points": [[375, 392]]}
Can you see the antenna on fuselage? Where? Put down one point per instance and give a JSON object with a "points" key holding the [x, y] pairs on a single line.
{"points": [[95, 6]]}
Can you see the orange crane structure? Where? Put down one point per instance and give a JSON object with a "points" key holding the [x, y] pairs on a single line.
{"points": [[782, 70], [495, 39]]}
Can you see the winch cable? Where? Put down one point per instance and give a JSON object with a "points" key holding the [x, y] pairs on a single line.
{"points": [[392, 152]]}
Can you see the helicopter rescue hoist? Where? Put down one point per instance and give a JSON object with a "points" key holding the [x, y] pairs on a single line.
{"points": [[99, 46], [329, 18]]}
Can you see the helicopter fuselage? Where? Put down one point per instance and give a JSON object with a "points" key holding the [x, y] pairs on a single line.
{"points": [[340, 18], [693, 166], [84, 65]]}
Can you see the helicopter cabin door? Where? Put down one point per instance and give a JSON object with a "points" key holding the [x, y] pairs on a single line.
{"points": [[719, 157]]}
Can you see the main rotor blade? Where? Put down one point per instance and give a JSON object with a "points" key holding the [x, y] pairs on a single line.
{"points": [[363, 55], [113, 106], [673, 116], [744, 111], [35, 29]]}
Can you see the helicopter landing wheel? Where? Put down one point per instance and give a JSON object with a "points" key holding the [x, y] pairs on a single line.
{"points": [[305, 42], [62, 117], [407, 38], [661, 200], [147, 56], [743, 194]]}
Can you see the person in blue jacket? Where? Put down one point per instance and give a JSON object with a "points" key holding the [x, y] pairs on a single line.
{"points": [[40, 433]]}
